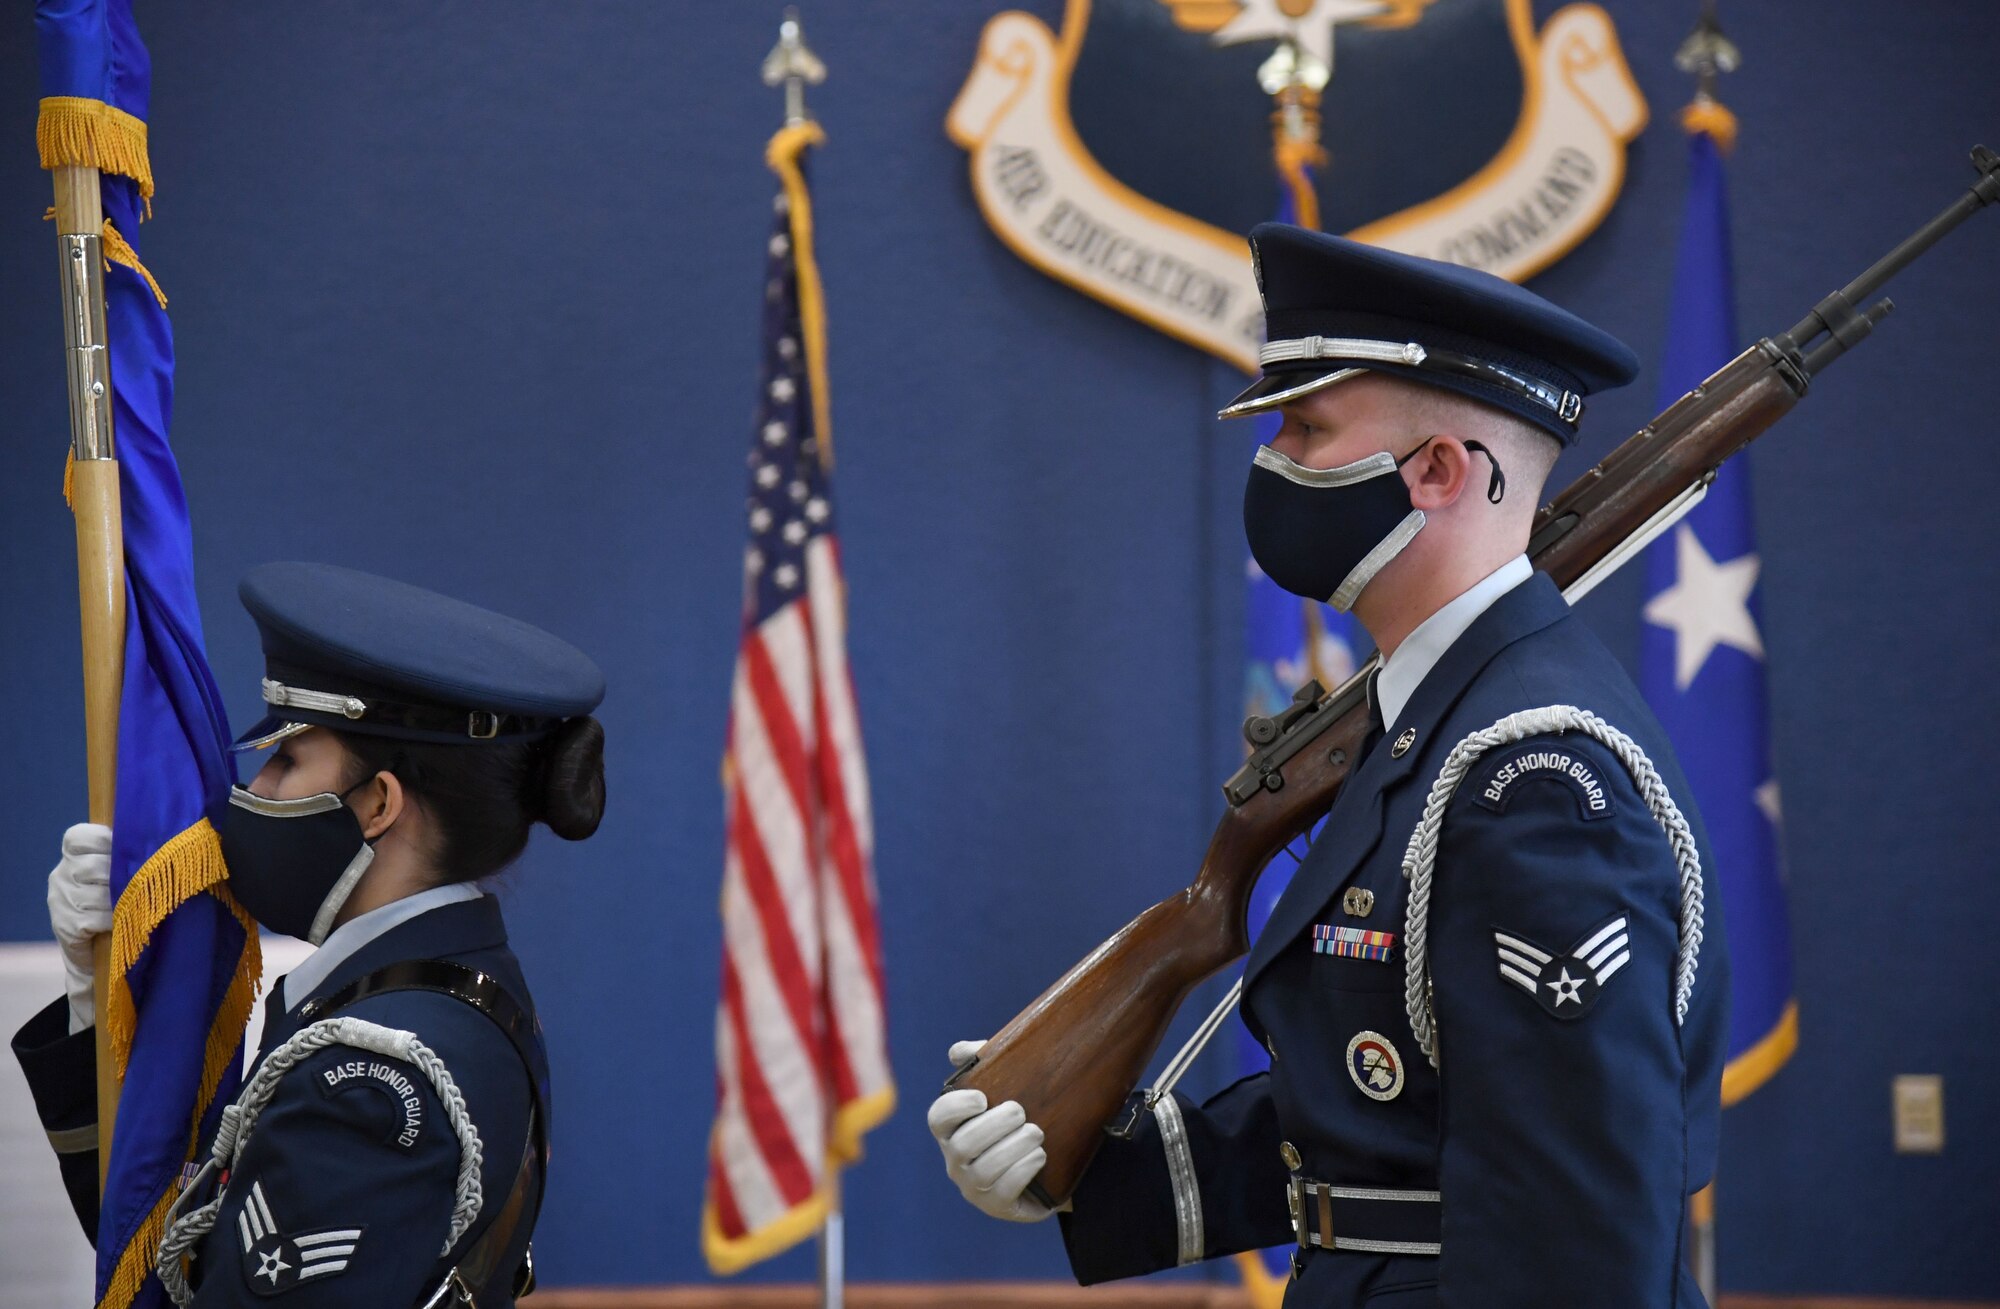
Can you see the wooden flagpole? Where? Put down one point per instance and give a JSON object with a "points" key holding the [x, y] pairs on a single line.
{"points": [[100, 550]]}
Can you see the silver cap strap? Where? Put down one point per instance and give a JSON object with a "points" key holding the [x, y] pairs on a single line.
{"points": [[280, 696], [1340, 347]]}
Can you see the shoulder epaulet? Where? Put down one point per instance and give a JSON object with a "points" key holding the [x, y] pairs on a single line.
{"points": [[1554, 721]]}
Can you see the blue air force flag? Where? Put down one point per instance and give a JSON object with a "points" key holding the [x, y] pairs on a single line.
{"points": [[1701, 656]]}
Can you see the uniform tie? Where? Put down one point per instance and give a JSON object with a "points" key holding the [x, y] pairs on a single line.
{"points": [[1376, 727]]}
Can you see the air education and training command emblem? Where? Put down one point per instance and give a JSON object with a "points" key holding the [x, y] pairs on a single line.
{"points": [[1127, 155], [1375, 1066]]}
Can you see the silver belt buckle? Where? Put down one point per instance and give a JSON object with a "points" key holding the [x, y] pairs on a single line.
{"points": [[1295, 1200]]}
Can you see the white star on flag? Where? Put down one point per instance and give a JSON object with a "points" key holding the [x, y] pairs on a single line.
{"points": [[1770, 803], [1708, 605]]}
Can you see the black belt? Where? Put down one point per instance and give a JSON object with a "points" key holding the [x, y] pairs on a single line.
{"points": [[1365, 1219]]}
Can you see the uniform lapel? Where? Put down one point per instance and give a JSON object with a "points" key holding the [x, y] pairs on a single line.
{"points": [[1354, 827]]}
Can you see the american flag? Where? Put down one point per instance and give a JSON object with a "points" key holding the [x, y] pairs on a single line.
{"points": [[802, 1066]]}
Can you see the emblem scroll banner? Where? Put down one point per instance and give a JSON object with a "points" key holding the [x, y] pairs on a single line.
{"points": [[1046, 196], [1051, 201]]}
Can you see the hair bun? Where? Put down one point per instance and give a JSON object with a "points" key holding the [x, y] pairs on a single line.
{"points": [[573, 779]]}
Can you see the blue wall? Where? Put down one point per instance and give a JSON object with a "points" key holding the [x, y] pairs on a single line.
{"points": [[471, 300]]}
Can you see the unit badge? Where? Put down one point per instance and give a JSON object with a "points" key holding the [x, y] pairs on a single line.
{"points": [[1128, 154], [1566, 985], [1375, 1066], [274, 1261]]}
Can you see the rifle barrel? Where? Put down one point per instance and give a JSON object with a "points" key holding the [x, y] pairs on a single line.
{"points": [[1837, 316]]}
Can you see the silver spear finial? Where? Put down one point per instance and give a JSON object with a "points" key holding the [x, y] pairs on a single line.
{"points": [[1707, 53], [793, 64]]}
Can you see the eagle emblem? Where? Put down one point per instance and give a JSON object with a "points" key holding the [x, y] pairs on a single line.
{"points": [[1128, 154]]}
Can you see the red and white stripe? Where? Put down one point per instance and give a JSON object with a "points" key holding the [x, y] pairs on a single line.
{"points": [[799, 1034]]}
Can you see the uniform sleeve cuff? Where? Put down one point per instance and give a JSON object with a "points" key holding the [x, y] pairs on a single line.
{"points": [[61, 1068]]}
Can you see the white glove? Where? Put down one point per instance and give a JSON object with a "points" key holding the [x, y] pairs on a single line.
{"points": [[79, 909], [990, 1154]]}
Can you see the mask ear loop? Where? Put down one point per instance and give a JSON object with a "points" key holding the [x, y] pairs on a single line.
{"points": [[1496, 486], [1496, 489]]}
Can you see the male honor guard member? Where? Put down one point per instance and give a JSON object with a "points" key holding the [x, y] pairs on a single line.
{"points": [[1494, 992], [389, 1147]]}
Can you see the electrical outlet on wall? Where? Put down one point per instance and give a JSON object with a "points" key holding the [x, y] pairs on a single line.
{"points": [[1919, 1113]]}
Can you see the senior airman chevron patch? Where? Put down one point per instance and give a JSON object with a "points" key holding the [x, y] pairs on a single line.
{"points": [[1566, 985], [274, 1262]]}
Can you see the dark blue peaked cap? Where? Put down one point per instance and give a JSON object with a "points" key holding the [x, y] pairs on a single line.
{"points": [[1332, 306], [361, 653]]}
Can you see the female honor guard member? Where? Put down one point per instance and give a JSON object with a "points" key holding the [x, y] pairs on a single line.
{"points": [[388, 1149], [1493, 993]]}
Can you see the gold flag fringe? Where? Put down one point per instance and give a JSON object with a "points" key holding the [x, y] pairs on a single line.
{"points": [[135, 1262], [186, 866], [225, 1037], [75, 131], [179, 870]]}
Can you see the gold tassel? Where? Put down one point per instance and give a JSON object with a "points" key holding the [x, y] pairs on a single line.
{"points": [[1295, 147], [1293, 158], [117, 250], [782, 153], [72, 130], [1712, 117]]}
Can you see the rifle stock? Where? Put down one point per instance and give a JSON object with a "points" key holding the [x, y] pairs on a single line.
{"points": [[1073, 1056]]}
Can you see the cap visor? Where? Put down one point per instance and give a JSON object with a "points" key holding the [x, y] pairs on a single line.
{"points": [[1274, 389], [270, 730]]}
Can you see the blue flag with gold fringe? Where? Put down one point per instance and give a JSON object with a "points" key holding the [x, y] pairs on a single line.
{"points": [[184, 956], [1701, 654]]}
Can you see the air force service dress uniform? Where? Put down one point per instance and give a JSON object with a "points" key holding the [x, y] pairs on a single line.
{"points": [[390, 1144], [1494, 994]]}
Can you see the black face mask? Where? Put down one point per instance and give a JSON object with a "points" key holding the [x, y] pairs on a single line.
{"points": [[293, 863], [1324, 533]]}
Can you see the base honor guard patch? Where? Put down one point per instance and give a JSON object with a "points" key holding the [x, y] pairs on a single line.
{"points": [[1353, 942], [1566, 985], [1375, 1066], [274, 1262]]}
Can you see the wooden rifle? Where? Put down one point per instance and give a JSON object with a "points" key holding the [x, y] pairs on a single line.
{"points": [[1073, 1057]]}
